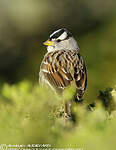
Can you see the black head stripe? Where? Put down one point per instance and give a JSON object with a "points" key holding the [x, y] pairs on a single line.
{"points": [[60, 32], [69, 34], [57, 34]]}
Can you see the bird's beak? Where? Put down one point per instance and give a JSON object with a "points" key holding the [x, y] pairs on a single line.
{"points": [[48, 43]]}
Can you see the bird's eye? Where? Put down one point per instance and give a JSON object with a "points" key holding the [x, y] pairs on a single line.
{"points": [[58, 40]]}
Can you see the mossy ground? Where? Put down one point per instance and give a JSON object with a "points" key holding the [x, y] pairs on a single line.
{"points": [[30, 114]]}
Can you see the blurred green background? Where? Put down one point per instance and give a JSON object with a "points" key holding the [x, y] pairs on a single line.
{"points": [[26, 24]]}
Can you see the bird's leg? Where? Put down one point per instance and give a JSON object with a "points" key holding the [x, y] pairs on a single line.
{"points": [[68, 111]]}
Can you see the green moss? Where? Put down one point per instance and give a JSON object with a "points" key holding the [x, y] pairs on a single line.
{"points": [[30, 114]]}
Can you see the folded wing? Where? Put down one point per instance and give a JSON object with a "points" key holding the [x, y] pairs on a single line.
{"points": [[60, 68]]}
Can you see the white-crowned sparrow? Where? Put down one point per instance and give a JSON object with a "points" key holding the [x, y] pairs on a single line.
{"points": [[63, 64]]}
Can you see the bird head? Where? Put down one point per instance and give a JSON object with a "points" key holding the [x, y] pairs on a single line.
{"points": [[61, 39]]}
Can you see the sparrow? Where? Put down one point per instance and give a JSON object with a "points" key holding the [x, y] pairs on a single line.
{"points": [[63, 65]]}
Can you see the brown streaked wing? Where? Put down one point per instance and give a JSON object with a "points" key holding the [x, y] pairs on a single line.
{"points": [[81, 78], [61, 67], [54, 71]]}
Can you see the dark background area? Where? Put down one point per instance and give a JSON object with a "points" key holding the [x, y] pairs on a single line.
{"points": [[26, 24]]}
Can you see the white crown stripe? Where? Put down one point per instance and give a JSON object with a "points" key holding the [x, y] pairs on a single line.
{"points": [[55, 32], [63, 36]]}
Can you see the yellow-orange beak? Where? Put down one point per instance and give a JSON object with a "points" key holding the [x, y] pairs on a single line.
{"points": [[48, 43]]}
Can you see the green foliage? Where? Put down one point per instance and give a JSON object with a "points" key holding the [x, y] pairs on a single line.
{"points": [[30, 114], [107, 99]]}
